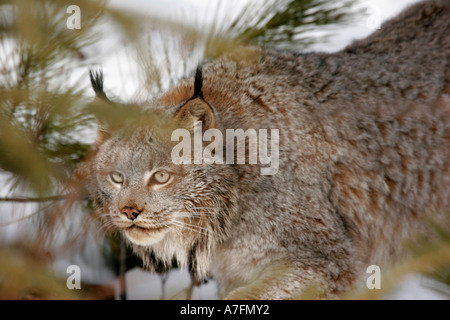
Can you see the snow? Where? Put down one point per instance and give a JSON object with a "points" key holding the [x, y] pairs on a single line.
{"points": [[143, 285]]}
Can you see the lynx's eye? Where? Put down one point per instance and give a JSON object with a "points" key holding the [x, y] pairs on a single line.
{"points": [[116, 177], [161, 177]]}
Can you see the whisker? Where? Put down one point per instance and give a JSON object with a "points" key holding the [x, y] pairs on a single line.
{"points": [[195, 228], [191, 227], [106, 227], [187, 215], [178, 232]]}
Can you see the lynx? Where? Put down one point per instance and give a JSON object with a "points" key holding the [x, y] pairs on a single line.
{"points": [[364, 159]]}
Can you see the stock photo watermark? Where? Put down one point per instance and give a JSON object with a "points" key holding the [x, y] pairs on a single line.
{"points": [[74, 279], [74, 20], [373, 21], [374, 280]]}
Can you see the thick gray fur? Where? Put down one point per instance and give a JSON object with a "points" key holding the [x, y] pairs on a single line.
{"points": [[364, 160]]}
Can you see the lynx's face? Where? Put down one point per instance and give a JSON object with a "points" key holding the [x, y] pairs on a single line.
{"points": [[138, 190], [164, 208]]}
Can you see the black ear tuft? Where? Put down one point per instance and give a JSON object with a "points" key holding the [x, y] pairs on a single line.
{"points": [[96, 77], [198, 84]]}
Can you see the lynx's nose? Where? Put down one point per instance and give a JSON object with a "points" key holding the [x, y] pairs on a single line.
{"points": [[131, 212]]}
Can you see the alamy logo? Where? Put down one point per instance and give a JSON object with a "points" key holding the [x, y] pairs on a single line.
{"points": [[258, 147], [74, 21], [74, 280], [374, 280]]}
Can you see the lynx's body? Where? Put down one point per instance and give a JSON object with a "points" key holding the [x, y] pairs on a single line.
{"points": [[364, 158]]}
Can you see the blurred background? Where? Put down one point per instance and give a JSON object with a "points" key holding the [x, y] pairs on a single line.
{"points": [[144, 48]]}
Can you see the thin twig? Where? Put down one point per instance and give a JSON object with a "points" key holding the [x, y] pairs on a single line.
{"points": [[34, 199]]}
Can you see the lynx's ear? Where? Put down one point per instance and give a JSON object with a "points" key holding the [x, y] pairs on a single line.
{"points": [[196, 108], [96, 77], [102, 101]]}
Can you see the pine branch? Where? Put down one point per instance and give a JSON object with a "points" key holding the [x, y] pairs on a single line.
{"points": [[22, 199]]}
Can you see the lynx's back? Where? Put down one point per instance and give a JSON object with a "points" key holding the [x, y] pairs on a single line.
{"points": [[364, 159]]}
